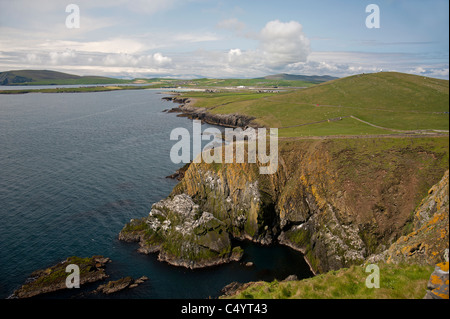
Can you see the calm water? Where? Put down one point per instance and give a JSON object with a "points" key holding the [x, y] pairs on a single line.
{"points": [[76, 167]]}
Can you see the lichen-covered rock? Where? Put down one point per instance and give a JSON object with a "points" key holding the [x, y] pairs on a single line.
{"points": [[182, 234], [336, 200], [438, 283], [427, 243], [233, 194]]}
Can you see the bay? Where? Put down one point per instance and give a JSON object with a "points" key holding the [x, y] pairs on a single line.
{"points": [[75, 167]]}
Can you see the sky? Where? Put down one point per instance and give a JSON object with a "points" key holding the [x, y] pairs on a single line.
{"points": [[225, 38]]}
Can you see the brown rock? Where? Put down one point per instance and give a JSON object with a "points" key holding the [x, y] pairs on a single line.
{"points": [[115, 286]]}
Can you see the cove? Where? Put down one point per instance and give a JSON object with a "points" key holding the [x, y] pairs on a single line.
{"points": [[76, 168]]}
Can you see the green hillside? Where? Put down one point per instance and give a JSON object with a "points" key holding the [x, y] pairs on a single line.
{"points": [[397, 282], [306, 78], [378, 103], [46, 77]]}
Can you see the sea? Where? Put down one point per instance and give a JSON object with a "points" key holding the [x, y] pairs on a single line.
{"points": [[75, 168]]}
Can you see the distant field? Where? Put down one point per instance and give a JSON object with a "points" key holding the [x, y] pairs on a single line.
{"points": [[392, 102], [47, 77], [226, 83], [376, 103], [81, 81], [271, 83]]}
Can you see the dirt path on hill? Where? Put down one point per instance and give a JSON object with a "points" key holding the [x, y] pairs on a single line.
{"points": [[400, 135]]}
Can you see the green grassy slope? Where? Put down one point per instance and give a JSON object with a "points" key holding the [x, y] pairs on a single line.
{"points": [[260, 82], [396, 282], [307, 78], [390, 101]]}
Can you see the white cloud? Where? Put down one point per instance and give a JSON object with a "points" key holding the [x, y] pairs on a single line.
{"points": [[280, 44], [284, 43], [128, 60], [66, 57]]}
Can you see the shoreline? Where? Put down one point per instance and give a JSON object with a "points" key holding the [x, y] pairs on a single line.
{"points": [[188, 109]]}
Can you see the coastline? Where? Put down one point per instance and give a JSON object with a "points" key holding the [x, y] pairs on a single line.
{"points": [[187, 109]]}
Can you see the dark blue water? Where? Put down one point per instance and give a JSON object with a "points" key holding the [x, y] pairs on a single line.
{"points": [[74, 168]]}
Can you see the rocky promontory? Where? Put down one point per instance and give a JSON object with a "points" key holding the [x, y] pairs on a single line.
{"points": [[337, 201], [182, 234], [197, 113]]}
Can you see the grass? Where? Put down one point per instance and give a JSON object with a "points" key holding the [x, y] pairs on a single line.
{"points": [[393, 101], [396, 282], [87, 80], [77, 89], [269, 83]]}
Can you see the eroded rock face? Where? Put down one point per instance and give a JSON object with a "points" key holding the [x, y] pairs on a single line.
{"points": [[336, 201], [234, 195], [182, 234], [437, 287], [427, 243]]}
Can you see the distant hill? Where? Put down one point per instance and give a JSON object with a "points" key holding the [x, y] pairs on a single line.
{"points": [[391, 91], [306, 78], [376, 103], [46, 77]]}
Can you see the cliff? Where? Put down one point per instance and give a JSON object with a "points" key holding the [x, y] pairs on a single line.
{"points": [[406, 266], [427, 243], [182, 234], [204, 115], [338, 201]]}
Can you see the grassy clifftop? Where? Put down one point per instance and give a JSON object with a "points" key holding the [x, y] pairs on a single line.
{"points": [[396, 282], [378, 103]]}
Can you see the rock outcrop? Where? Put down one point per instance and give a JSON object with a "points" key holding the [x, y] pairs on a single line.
{"points": [[119, 285], [206, 116], [337, 201], [182, 234], [54, 278], [428, 241], [234, 195], [437, 287]]}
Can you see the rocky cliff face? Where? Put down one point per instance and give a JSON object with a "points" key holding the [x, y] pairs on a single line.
{"points": [[204, 115], [182, 234], [427, 243], [235, 195], [338, 201]]}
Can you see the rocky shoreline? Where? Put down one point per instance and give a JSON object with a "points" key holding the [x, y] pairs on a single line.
{"points": [[54, 278], [187, 109], [92, 269]]}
